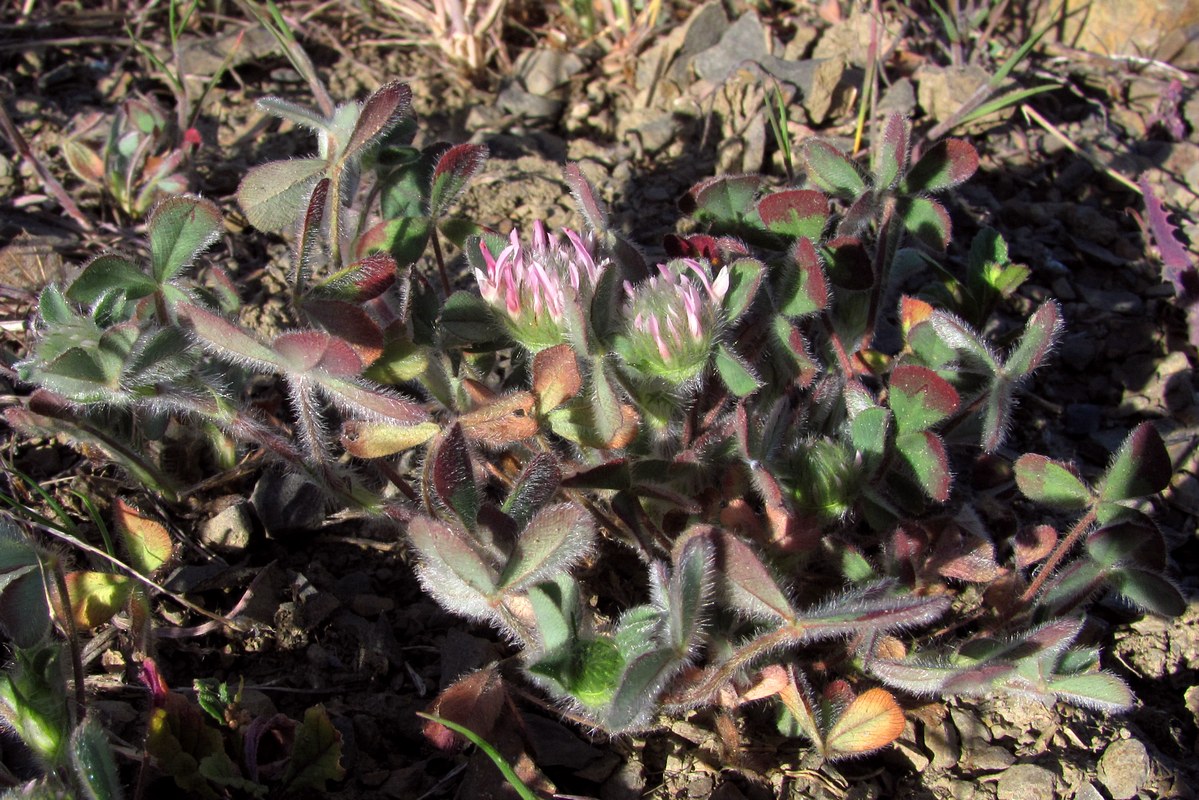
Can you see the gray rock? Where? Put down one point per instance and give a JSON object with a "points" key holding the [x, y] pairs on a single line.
{"points": [[745, 40], [287, 503], [982, 757], [655, 130], [1087, 791], [1026, 782], [1123, 768], [229, 531], [543, 72]]}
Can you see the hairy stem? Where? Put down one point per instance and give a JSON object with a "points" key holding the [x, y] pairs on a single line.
{"points": [[1055, 558]]}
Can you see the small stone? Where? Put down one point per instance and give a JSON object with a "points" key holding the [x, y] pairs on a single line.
{"points": [[1087, 791], [229, 531], [287, 503], [1123, 768], [970, 727], [912, 754], [1063, 289], [1026, 782], [1119, 302], [944, 744], [986, 757]]}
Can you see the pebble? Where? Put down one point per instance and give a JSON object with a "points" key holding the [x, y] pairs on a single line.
{"points": [[986, 757], [1118, 301], [1087, 791], [1026, 782], [229, 531], [1123, 768]]}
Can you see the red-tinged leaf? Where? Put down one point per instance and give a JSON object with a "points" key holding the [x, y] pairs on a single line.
{"points": [[350, 324], [748, 585], [380, 439], [380, 404], [944, 165], [796, 348], [1034, 543], [920, 398], [1141, 467], [1038, 339], [475, 701], [927, 220], [311, 350], [924, 453], [723, 200], [795, 213], [506, 420], [849, 265], [84, 161], [966, 557], [556, 377], [532, 489], [890, 155], [309, 242], [96, 597], [147, 543], [588, 204], [381, 112], [315, 754], [872, 721], [453, 475], [364, 280], [810, 291], [832, 170], [1053, 483], [455, 168]]}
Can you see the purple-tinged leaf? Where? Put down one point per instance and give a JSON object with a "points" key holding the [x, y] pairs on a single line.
{"points": [[890, 153], [1175, 259], [364, 280], [349, 324], [379, 405], [1148, 590], [556, 377], [555, 539], [633, 705], [452, 475], [451, 568], [944, 165], [273, 195], [692, 581], [868, 610], [964, 556], [381, 112], [924, 454], [309, 249], [304, 351], [961, 337], [1100, 691], [919, 398], [1073, 584], [381, 439], [228, 340], [1039, 336], [831, 170], [927, 220], [1032, 544], [724, 200], [502, 421], [746, 584], [607, 415], [534, 487], [454, 170], [179, 229], [795, 213], [808, 292], [1141, 467], [997, 413], [1128, 543], [589, 206], [1053, 483]]}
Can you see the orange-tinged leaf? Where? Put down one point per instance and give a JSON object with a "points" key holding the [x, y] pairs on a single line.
{"points": [[912, 312], [504, 421], [556, 377], [147, 542], [872, 721], [96, 596]]}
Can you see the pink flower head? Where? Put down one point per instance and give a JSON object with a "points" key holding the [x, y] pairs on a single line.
{"points": [[674, 317], [531, 286]]}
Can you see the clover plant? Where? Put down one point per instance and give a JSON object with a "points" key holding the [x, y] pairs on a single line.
{"points": [[778, 434]]}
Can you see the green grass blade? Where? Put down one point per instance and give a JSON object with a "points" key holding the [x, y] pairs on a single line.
{"points": [[504, 767], [1018, 56], [1004, 101]]}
